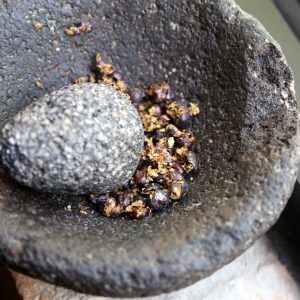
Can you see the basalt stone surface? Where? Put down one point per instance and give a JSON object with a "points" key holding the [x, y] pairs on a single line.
{"points": [[84, 138], [248, 140]]}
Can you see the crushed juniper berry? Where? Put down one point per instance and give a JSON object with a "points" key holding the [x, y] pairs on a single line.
{"points": [[140, 176], [126, 198], [137, 209], [78, 29], [179, 112], [185, 138], [178, 189], [137, 96], [110, 207], [168, 155], [157, 197]]}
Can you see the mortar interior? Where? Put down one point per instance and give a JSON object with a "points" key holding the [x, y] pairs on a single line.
{"points": [[203, 51]]}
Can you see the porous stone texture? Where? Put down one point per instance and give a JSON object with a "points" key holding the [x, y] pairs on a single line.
{"points": [[256, 274], [248, 140], [6, 4], [84, 138]]}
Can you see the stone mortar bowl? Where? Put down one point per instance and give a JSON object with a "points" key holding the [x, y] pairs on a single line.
{"points": [[248, 136]]}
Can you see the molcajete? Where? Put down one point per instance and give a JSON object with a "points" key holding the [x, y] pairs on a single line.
{"points": [[248, 140]]}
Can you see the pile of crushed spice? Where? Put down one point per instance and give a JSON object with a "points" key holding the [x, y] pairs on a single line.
{"points": [[167, 157]]}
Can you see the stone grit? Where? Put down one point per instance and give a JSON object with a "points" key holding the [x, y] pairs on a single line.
{"points": [[80, 139], [249, 137], [256, 274]]}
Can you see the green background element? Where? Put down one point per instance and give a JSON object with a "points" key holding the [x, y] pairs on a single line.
{"points": [[267, 13]]}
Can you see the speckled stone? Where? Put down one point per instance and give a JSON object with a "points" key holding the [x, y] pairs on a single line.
{"points": [[248, 140], [84, 138]]}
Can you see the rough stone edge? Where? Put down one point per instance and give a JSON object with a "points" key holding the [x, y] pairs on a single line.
{"points": [[295, 148], [193, 277], [294, 151]]}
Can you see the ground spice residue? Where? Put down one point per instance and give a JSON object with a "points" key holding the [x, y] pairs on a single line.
{"points": [[168, 153], [40, 85], [38, 25], [78, 29]]}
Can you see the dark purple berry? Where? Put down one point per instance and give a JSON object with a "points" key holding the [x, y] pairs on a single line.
{"points": [[126, 186], [178, 111], [140, 176], [99, 200], [171, 178], [126, 198], [111, 208], [159, 178], [159, 200], [183, 121], [185, 139], [159, 134], [137, 96], [176, 176], [192, 159], [157, 197]]}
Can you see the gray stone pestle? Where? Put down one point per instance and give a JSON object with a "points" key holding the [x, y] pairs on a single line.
{"points": [[85, 138]]}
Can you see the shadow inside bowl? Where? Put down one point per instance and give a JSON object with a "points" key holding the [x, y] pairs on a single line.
{"points": [[205, 68]]}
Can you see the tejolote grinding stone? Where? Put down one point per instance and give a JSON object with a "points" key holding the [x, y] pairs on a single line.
{"points": [[85, 138]]}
